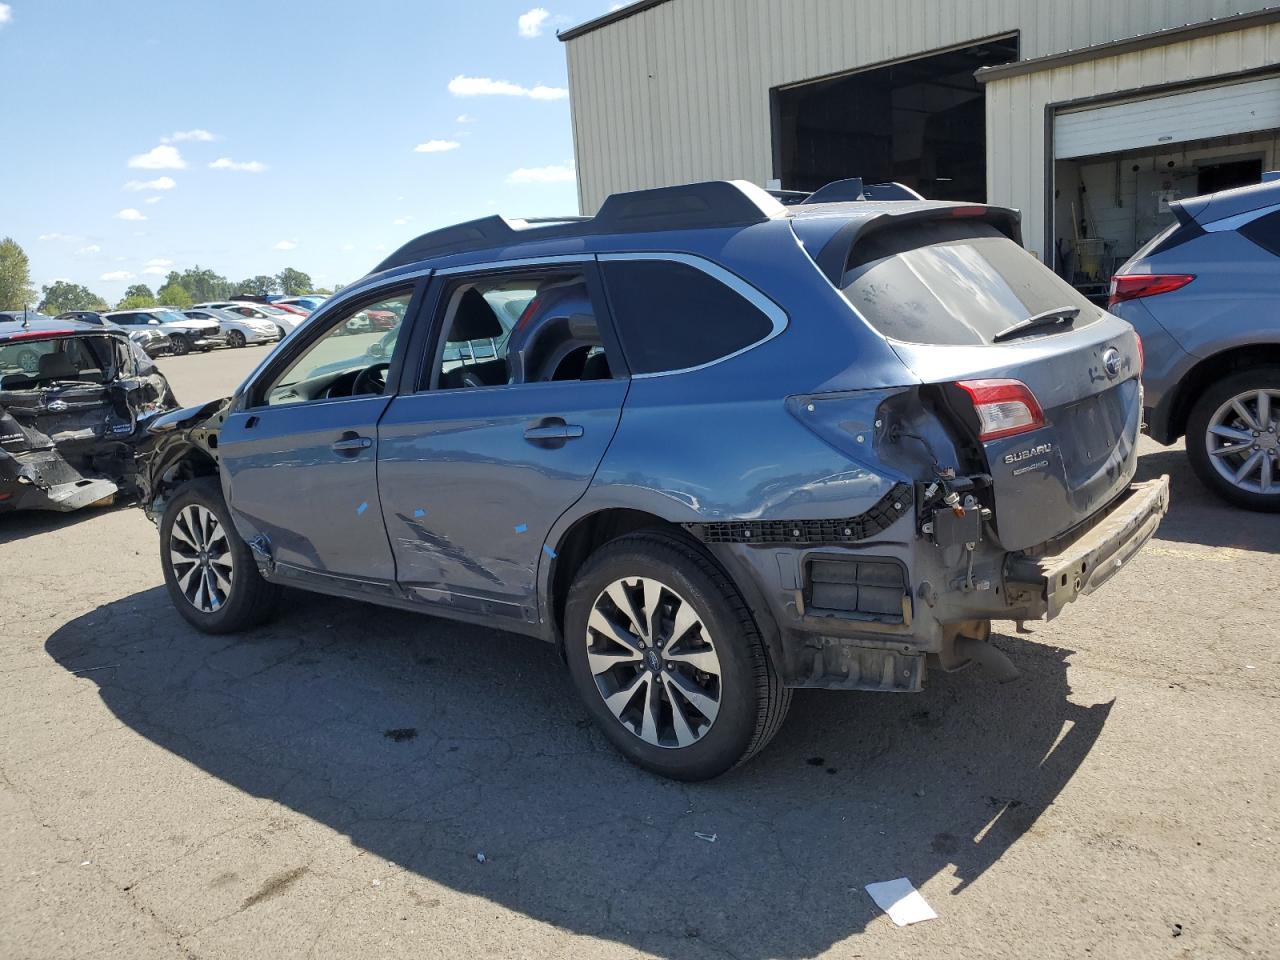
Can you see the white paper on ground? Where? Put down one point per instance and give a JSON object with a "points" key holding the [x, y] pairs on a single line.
{"points": [[901, 901]]}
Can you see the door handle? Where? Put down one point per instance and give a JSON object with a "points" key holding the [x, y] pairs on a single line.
{"points": [[351, 443], [553, 428]]}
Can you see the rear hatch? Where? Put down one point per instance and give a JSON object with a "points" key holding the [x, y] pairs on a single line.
{"points": [[1041, 385]]}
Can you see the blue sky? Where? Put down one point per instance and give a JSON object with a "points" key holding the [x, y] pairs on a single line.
{"points": [[143, 135]]}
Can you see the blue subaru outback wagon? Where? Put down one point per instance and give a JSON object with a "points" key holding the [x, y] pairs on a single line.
{"points": [[712, 448]]}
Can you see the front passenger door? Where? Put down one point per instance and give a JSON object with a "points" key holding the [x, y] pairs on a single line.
{"points": [[299, 456]]}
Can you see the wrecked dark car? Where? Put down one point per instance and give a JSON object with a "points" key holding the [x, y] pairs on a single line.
{"points": [[75, 400]]}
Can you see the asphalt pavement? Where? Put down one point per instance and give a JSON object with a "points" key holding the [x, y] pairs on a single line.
{"points": [[350, 781]]}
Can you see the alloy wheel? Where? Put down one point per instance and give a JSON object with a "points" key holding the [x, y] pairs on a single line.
{"points": [[1243, 441], [654, 662], [235, 339], [200, 556]]}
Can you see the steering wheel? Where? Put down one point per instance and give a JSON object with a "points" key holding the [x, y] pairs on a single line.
{"points": [[371, 380]]}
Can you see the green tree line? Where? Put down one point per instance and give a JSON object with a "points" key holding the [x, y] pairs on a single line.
{"points": [[180, 289]]}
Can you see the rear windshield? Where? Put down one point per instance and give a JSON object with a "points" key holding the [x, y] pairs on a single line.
{"points": [[30, 362], [953, 283]]}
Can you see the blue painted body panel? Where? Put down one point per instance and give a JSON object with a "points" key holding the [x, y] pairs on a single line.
{"points": [[282, 479], [488, 497]]}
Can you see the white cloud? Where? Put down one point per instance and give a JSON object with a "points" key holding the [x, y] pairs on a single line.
{"points": [[437, 146], [116, 275], [6, 13], [244, 166], [400, 221], [285, 245], [129, 213], [203, 136], [463, 86], [562, 173], [531, 23], [159, 183], [158, 262], [465, 118], [70, 238], [155, 271], [88, 251], [153, 199], [347, 246], [163, 157]]}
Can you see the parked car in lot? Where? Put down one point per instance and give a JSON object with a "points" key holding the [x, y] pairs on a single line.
{"points": [[152, 342], [284, 320], [310, 302], [238, 329], [725, 449], [184, 333], [1205, 296], [75, 399]]}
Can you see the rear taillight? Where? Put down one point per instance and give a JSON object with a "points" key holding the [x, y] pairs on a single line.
{"points": [[1135, 285], [1004, 407]]}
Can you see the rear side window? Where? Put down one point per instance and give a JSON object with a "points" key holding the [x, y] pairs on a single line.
{"points": [[953, 283], [1265, 232], [672, 316]]}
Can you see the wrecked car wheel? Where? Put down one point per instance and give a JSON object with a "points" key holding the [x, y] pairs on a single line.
{"points": [[181, 345], [209, 571], [668, 659]]}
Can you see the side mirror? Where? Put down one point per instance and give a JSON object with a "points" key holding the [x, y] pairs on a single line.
{"points": [[377, 350]]}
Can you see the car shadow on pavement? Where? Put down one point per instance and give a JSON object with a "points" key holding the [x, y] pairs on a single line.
{"points": [[427, 742], [1197, 515], [23, 524]]}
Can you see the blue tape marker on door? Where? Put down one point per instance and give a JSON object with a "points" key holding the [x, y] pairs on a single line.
{"points": [[361, 509], [522, 528], [419, 513], [546, 548]]}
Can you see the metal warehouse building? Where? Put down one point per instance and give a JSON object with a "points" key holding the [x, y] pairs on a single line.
{"points": [[1088, 116]]}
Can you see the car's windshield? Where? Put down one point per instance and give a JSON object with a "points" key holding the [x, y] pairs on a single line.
{"points": [[34, 361], [265, 308], [168, 316]]}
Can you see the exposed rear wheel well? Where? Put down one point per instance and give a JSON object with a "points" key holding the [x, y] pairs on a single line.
{"points": [[187, 466], [588, 535], [1210, 371]]}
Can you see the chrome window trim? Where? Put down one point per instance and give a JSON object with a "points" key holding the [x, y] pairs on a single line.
{"points": [[491, 266], [777, 316]]}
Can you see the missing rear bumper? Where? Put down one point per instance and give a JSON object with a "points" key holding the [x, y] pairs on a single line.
{"points": [[1045, 585]]}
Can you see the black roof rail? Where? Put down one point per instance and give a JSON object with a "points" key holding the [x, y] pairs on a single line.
{"points": [[843, 191], [715, 203]]}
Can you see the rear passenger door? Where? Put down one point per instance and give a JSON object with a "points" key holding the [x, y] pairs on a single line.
{"points": [[517, 396]]}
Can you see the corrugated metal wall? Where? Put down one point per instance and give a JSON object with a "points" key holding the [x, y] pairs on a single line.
{"points": [[1017, 106], [680, 92]]}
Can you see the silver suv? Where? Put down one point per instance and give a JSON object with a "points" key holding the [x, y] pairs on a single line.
{"points": [[184, 333], [1205, 297]]}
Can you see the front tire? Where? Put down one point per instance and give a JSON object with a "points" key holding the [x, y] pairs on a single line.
{"points": [[1233, 439], [236, 339], [668, 660], [209, 571], [181, 345]]}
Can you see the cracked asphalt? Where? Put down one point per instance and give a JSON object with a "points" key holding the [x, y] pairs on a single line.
{"points": [[322, 787]]}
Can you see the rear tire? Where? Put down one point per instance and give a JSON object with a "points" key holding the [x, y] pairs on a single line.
{"points": [[226, 594], [703, 641], [1211, 454]]}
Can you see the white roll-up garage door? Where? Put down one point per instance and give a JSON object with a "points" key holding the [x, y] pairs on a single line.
{"points": [[1175, 118]]}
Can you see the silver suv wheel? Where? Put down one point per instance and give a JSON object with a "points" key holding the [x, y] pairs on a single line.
{"points": [[1243, 441], [201, 558], [654, 662]]}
